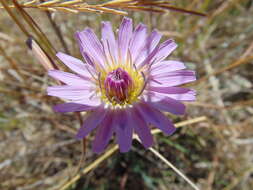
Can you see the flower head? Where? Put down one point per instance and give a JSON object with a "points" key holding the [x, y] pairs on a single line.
{"points": [[124, 84]]}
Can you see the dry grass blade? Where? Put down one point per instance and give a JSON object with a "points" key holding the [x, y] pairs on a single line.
{"points": [[239, 104], [57, 30], [244, 59], [181, 10], [152, 6], [40, 54], [90, 167], [165, 5], [36, 29], [183, 123], [6, 37], [237, 63], [149, 9], [112, 7], [108, 10], [16, 20], [39, 34], [49, 3], [162, 158], [109, 152], [12, 63]]}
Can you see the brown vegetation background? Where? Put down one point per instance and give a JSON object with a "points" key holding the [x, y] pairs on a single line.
{"points": [[214, 143]]}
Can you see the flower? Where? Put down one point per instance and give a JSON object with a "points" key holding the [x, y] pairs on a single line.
{"points": [[124, 85]]}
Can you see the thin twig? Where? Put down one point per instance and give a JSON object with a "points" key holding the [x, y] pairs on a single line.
{"points": [[57, 31], [16, 20], [235, 64], [36, 29], [41, 55], [90, 167], [12, 63], [162, 158]]}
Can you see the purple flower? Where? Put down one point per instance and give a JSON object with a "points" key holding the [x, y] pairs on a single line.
{"points": [[124, 85]]}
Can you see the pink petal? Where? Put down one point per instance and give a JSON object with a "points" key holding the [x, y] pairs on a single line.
{"points": [[177, 93], [91, 122], [173, 78], [68, 78], [138, 40], [160, 52], [87, 58], [124, 130], [72, 107], [103, 134], [188, 96], [165, 103], [74, 64], [90, 44], [176, 73], [109, 42], [75, 93], [169, 90], [141, 128], [150, 45], [125, 34], [166, 66], [156, 118]]}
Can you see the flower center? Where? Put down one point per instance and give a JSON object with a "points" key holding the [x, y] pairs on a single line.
{"points": [[118, 86]]}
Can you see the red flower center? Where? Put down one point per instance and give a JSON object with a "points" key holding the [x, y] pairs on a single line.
{"points": [[117, 85]]}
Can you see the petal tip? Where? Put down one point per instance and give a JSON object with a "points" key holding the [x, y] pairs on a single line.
{"points": [[79, 136], [56, 108], [126, 19], [147, 146], [59, 54], [124, 150], [171, 131], [97, 150], [51, 72]]}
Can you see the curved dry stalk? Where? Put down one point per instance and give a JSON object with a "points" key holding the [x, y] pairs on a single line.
{"points": [[162, 158]]}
